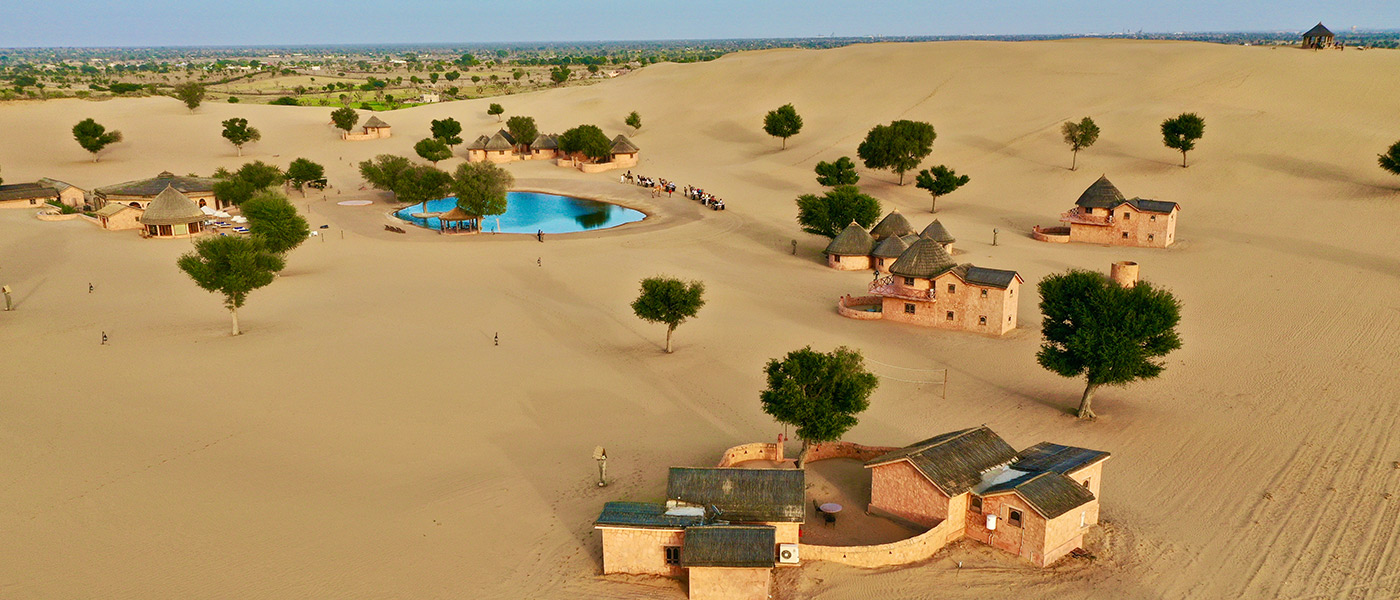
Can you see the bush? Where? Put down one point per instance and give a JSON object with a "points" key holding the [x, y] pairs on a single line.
{"points": [[233, 99], [63, 208], [285, 101]]}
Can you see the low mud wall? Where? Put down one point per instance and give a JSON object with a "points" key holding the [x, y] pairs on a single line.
{"points": [[1054, 235], [846, 307]]}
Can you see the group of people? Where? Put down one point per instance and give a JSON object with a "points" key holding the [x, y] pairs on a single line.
{"points": [[662, 186], [704, 198]]}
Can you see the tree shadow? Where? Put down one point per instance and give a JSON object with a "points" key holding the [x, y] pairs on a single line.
{"points": [[1004, 149], [1312, 170]]}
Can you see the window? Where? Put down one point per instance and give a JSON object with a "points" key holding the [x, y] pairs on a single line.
{"points": [[1150, 237], [33, 201], [982, 321], [673, 555], [1082, 518], [976, 504], [1086, 483], [1014, 518], [1125, 235], [908, 308], [950, 315], [984, 293], [908, 281], [1152, 218], [881, 261], [1127, 215], [835, 258], [952, 287]]}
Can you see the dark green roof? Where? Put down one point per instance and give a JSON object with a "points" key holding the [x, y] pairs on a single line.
{"points": [[894, 224], [27, 191], [938, 233], [1152, 206], [748, 495], [729, 546], [852, 241], [1102, 194], [1056, 458], [1050, 494], [954, 462], [925, 258], [644, 514], [998, 278], [149, 188]]}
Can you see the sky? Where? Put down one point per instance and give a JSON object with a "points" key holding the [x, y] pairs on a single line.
{"points": [[102, 23]]}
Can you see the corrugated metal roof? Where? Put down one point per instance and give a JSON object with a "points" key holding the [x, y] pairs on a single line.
{"points": [[998, 278], [748, 495], [729, 546], [155, 185], [1056, 458], [1153, 206], [26, 191], [1050, 494], [644, 514]]}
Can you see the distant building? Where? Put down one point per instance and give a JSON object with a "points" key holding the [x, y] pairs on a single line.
{"points": [[373, 129], [925, 286], [26, 195], [1103, 216], [142, 192], [1037, 503], [117, 216], [429, 98], [855, 250], [723, 528], [1318, 38], [501, 147]]}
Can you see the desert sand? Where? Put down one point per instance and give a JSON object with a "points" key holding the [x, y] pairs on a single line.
{"points": [[365, 439]]}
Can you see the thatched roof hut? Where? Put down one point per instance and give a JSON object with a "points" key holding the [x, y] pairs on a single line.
{"points": [[456, 214], [375, 122], [1102, 194], [479, 143], [925, 259], [894, 224], [622, 145], [171, 207], [890, 247], [545, 142], [500, 142], [852, 241], [938, 233]]}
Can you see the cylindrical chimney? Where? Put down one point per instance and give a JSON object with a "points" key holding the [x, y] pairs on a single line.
{"points": [[1125, 273]]}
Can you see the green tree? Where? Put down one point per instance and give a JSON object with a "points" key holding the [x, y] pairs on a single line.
{"points": [[93, 137], [831, 212], [302, 171], [452, 75], [668, 301], [233, 99], [899, 146], [1104, 332], [633, 120], [841, 172], [233, 191], [783, 122], [1079, 136], [421, 184], [260, 174], [191, 93], [939, 181], [232, 266], [237, 132], [1181, 133], [522, 129], [818, 393], [382, 172], [448, 130], [559, 74], [495, 110], [345, 118], [587, 140], [432, 150], [275, 222], [1390, 161], [481, 188]]}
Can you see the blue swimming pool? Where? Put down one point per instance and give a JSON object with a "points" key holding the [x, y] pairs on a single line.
{"points": [[529, 212]]}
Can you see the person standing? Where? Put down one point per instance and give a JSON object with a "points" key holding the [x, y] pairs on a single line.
{"points": [[539, 235]]}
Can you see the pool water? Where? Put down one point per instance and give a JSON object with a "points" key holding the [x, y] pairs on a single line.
{"points": [[530, 212]]}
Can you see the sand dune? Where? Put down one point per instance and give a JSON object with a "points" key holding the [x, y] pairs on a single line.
{"points": [[365, 439]]}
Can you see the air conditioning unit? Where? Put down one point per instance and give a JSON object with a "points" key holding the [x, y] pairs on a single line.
{"points": [[787, 554]]}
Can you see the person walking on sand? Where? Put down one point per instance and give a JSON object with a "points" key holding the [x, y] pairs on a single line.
{"points": [[539, 235], [89, 288], [104, 339]]}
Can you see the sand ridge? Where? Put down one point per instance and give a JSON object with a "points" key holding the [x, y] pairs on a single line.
{"points": [[383, 447]]}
